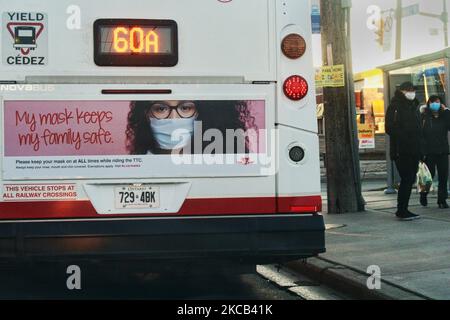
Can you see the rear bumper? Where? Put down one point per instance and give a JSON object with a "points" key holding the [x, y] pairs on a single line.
{"points": [[246, 238]]}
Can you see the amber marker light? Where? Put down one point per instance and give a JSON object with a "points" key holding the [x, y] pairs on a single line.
{"points": [[293, 46]]}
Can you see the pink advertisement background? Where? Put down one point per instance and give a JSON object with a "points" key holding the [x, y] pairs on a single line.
{"points": [[117, 126]]}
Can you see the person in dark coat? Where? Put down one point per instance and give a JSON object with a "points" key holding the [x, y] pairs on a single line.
{"points": [[404, 128], [435, 127]]}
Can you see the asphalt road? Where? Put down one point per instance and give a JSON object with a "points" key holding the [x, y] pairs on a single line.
{"points": [[43, 282]]}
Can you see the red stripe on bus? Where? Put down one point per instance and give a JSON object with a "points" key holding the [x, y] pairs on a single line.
{"points": [[191, 207]]}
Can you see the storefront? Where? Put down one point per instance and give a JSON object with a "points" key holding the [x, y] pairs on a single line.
{"points": [[430, 74], [369, 104], [430, 78], [369, 98]]}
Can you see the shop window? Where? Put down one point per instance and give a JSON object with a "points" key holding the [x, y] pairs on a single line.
{"points": [[369, 98], [429, 78]]}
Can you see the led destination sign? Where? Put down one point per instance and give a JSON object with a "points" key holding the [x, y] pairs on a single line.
{"points": [[124, 42]]}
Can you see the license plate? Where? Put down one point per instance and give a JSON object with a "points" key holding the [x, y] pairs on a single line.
{"points": [[136, 197]]}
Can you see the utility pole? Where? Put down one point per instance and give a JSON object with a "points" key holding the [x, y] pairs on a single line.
{"points": [[398, 37], [342, 151]]}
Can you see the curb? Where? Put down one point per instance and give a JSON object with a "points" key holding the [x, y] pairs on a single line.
{"points": [[350, 281]]}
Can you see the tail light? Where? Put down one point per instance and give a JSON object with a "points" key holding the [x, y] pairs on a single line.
{"points": [[293, 46], [295, 88]]}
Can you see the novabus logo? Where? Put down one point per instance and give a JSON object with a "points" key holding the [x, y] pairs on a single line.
{"points": [[27, 88]]}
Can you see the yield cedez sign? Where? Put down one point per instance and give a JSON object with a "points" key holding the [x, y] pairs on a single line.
{"points": [[25, 38]]}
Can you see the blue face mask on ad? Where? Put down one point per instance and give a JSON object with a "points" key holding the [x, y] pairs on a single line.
{"points": [[172, 134], [435, 106]]}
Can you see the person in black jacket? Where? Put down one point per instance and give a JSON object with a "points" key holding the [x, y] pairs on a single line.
{"points": [[435, 127], [404, 128]]}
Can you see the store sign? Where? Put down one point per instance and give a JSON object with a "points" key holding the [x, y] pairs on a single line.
{"points": [[25, 38], [366, 136]]}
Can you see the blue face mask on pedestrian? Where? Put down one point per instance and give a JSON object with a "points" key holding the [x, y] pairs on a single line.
{"points": [[435, 106]]}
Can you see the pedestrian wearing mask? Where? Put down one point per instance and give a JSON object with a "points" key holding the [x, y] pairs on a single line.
{"points": [[404, 128], [435, 127]]}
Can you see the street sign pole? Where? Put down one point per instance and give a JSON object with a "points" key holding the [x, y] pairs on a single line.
{"points": [[445, 21], [398, 37]]}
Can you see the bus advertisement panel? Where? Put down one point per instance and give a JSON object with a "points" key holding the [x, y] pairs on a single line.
{"points": [[92, 139]]}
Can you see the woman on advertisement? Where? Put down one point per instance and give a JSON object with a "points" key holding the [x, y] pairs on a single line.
{"points": [[154, 126]]}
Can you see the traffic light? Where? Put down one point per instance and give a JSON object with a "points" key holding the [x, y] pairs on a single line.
{"points": [[380, 32]]}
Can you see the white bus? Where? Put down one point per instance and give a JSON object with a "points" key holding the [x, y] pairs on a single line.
{"points": [[159, 130]]}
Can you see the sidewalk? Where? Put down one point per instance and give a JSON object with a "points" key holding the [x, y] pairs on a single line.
{"points": [[370, 169], [414, 257]]}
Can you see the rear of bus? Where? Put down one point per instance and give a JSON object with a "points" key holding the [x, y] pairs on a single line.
{"points": [[98, 99]]}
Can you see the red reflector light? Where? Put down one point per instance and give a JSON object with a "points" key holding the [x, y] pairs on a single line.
{"points": [[295, 88], [306, 209], [305, 204]]}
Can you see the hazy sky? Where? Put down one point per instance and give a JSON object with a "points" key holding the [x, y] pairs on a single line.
{"points": [[417, 38]]}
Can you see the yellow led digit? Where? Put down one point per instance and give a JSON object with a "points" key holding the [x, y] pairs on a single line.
{"points": [[137, 40], [120, 43]]}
